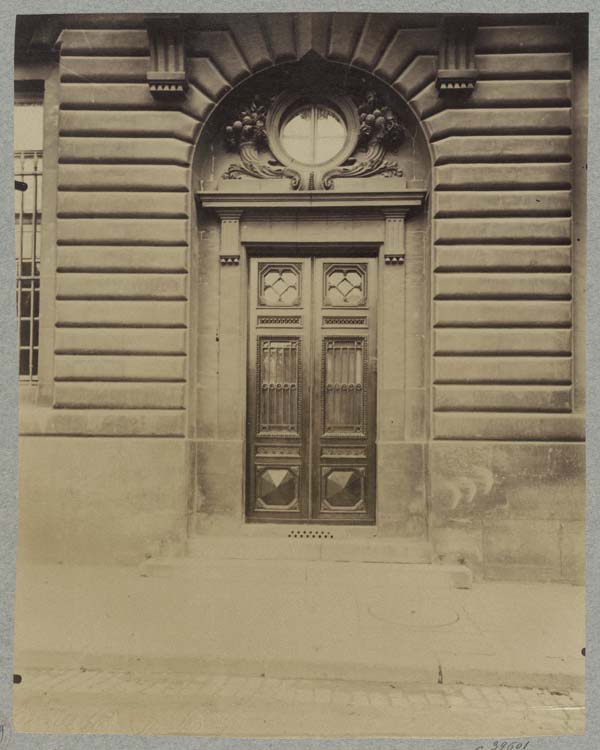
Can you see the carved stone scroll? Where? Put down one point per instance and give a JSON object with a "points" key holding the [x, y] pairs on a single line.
{"points": [[373, 163], [252, 166], [379, 133]]}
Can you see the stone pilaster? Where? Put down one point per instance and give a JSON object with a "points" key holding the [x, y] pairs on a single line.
{"points": [[391, 326]]}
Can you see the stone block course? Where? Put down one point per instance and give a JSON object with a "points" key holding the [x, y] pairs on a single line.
{"points": [[494, 258], [121, 286], [128, 367], [502, 398], [521, 341], [406, 45], [509, 203], [117, 69], [417, 74], [509, 314], [155, 341], [206, 77], [132, 258], [490, 369], [129, 124], [109, 231], [503, 286], [522, 38], [503, 148], [518, 427], [498, 121], [104, 42], [117, 204], [528, 65], [134, 313], [220, 45], [503, 177], [105, 395], [105, 150], [146, 177]]}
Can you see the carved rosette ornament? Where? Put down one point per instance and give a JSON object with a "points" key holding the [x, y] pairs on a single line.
{"points": [[380, 132], [247, 136]]}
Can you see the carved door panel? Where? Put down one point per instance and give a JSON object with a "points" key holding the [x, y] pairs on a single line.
{"points": [[312, 390], [343, 445]]}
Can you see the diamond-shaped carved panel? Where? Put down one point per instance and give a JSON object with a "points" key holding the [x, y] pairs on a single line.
{"points": [[345, 285], [276, 488], [279, 285], [343, 489]]}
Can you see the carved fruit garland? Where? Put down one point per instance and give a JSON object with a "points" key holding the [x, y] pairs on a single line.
{"points": [[379, 133], [248, 137]]}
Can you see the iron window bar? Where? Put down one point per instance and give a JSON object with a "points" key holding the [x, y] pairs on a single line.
{"points": [[28, 217]]}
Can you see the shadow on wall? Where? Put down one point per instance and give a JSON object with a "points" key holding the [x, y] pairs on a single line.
{"points": [[469, 494], [511, 511]]}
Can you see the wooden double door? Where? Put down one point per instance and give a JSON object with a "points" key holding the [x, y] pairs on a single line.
{"points": [[311, 389]]}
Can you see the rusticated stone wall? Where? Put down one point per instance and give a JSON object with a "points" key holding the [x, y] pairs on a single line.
{"points": [[505, 343]]}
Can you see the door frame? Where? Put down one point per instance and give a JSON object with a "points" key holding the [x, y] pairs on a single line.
{"points": [[277, 223]]}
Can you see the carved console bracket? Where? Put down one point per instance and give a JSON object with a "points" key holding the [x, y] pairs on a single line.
{"points": [[456, 63], [229, 249], [167, 77], [394, 246]]}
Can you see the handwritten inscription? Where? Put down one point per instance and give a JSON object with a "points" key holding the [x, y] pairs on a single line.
{"points": [[505, 745]]}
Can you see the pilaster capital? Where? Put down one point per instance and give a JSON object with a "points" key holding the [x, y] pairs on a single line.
{"points": [[394, 242], [393, 259], [229, 260], [395, 212], [229, 214], [229, 248]]}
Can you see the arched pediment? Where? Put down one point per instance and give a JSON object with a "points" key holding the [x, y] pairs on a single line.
{"points": [[312, 125]]}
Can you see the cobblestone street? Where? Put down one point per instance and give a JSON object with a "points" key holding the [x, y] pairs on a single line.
{"points": [[117, 702]]}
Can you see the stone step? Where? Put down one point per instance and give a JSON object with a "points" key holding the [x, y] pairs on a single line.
{"points": [[221, 557], [317, 546]]}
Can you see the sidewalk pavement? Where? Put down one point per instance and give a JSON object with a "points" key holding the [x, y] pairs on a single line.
{"points": [[298, 619], [115, 702]]}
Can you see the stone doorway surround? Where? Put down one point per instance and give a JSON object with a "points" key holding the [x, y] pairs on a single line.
{"points": [[365, 216]]}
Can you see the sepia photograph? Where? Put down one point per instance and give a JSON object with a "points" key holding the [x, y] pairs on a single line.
{"points": [[300, 308]]}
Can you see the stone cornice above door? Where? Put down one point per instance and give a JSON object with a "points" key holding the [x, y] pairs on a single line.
{"points": [[409, 197]]}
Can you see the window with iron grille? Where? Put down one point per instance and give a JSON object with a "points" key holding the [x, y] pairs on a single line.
{"points": [[28, 157]]}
